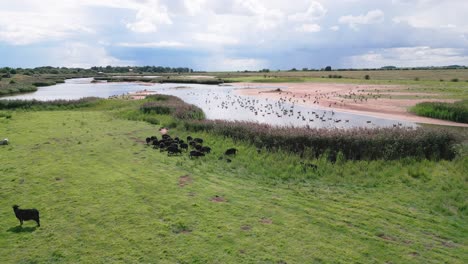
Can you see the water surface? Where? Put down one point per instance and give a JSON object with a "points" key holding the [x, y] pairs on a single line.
{"points": [[218, 102]]}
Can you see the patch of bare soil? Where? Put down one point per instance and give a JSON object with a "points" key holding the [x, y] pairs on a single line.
{"points": [[360, 99], [246, 228], [185, 180], [265, 220], [218, 199]]}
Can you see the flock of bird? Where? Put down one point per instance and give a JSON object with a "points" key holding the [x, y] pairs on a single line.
{"points": [[287, 110]]}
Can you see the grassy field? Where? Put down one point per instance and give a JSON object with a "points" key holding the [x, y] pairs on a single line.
{"points": [[457, 111], [104, 196], [402, 75]]}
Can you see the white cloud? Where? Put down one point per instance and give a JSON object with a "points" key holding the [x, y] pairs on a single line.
{"points": [[149, 17], [194, 7], [372, 17], [409, 57], [222, 63], [315, 11], [215, 39], [23, 28], [309, 28], [160, 44], [77, 54], [334, 28]]}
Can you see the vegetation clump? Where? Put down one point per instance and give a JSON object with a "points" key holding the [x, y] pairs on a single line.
{"points": [[171, 105], [352, 144], [457, 112], [47, 105]]}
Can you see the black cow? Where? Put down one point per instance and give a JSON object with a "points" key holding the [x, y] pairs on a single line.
{"points": [[26, 214]]}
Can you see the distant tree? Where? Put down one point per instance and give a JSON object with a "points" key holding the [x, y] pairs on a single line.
{"points": [[305, 69], [293, 69], [328, 68], [13, 71]]}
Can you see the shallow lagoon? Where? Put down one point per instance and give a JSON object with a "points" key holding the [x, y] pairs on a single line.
{"points": [[218, 102]]}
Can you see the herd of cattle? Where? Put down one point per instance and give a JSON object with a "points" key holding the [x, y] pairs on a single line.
{"points": [[176, 146]]}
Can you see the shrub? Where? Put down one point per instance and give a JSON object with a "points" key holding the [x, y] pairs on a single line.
{"points": [[454, 80], [367, 77]]}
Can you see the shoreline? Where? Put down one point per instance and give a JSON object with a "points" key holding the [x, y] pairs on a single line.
{"points": [[361, 99]]}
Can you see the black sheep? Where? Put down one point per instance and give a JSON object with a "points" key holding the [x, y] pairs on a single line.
{"points": [[173, 150], [189, 138], [231, 151], [195, 153], [26, 214], [198, 147], [198, 140], [148, 140], [192, 144], [166, 136], [162, 146], [205, 149], [184, 146]]}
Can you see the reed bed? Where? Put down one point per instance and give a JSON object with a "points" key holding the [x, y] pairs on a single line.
{"points": [[171, 105], [457, 112], [48, 105], [351, 144]]}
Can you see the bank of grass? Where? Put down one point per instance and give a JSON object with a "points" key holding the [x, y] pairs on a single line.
{"points": [[105, 196], [397, 75], [20, 83], [161, 79], [457, 111]]}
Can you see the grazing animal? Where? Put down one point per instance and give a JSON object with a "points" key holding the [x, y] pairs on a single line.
{"points": [[26, 214], [205, 149], [4, 141], [231, 151], [173, 150], [166, 136], [148, 140], [198, 147], [184, 146], [153, 138], [195, 153], [198, 140], [192, 144], [189, 138], [162, 146]]}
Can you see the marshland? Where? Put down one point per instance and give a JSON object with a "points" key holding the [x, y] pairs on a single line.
{"points": [[379, 192], [305, 131]]}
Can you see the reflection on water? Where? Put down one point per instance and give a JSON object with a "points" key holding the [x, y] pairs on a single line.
{"points": [[218, 102]]}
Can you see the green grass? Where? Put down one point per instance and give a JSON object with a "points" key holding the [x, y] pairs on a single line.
{"points": [[402, 75], [457, 111], [106, 197]]}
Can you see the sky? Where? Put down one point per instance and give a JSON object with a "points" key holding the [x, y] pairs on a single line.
{"points": [[231, 35]]}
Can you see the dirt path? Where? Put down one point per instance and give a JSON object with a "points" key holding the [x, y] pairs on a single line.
{"points": [[370, 100]]}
